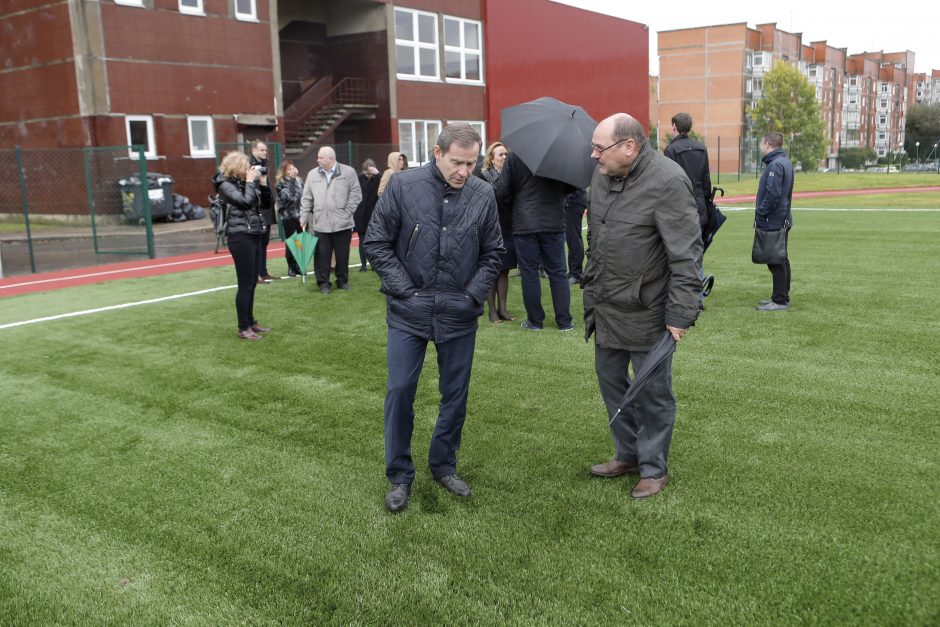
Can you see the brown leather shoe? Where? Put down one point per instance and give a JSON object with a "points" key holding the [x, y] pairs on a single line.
{"points": [[248, 334], [257, 328], [269, 278], [614, 468], [649, 486]]}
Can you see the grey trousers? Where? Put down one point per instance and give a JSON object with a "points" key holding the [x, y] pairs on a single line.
{"points": [[643, 431]]}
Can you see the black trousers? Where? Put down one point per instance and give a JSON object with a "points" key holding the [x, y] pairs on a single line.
{"points": [[244, 249], [780, 275], [573, 220], [263, 253], [362, 251], [291, 226], [327, 244]]}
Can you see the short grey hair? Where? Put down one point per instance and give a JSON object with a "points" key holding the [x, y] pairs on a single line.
{"points": [[626, 127], [462, 133], [328, 150]]}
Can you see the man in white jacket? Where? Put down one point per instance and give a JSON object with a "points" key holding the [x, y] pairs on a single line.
{"points": [[331, 194]]}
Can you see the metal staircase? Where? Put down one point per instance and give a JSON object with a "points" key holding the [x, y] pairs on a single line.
{"points": [[322, 108]]}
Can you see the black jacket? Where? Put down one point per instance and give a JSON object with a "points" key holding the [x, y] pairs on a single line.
{"points": [[241, 213], [265, 197], [437, 250], [693, 157], [775, 193], [288, 198], [370, 196], [538, 203]]}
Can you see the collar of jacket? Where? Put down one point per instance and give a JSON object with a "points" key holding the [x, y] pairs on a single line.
{"points": [[680, 136], [773, 154], [439, 177], [642, 160]]}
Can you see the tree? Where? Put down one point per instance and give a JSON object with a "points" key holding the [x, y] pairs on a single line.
{"points": [[855, 158], [923, 125], [789, 106]]}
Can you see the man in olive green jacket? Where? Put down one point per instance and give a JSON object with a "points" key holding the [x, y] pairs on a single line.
{"points": [[640, 280]]}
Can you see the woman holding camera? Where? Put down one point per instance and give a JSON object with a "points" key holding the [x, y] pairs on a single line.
{"points": [[237, 184], [289, 190]]}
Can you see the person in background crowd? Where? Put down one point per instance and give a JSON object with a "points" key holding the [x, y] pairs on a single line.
{"points": [[491, 168], [328, 204], [403, 161], [437, 217], [259, 159], [774, 195], [575, 206], [237, 184], [394, 165], [369, 183], [289, 189]]}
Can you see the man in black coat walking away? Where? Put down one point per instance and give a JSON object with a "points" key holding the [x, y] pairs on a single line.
{"points": [[693, 157], [435, 242]]}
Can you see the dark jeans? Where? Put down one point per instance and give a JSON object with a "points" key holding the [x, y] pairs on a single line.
{"points": [[244, 249], [405, 358], [362, 251], [643, 431], [291, 226], [575, 241], [780, 274], [263, 252], [546, 251], [327, 244]]}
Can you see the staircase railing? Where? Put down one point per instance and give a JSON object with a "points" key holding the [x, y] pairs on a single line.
{"points": [[350, 90]]}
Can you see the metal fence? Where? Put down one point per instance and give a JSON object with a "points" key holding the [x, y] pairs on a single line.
{"points": [[92, 197]]}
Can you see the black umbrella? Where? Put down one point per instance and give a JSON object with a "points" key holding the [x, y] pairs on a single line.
{"points": [[663, 348], [552, 138], [715, 218]]}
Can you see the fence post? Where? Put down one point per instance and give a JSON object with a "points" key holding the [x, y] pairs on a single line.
{"points": [[29, 234], [91, 199], [349, 159], [145, 199], [719, 159], [741, 153]]}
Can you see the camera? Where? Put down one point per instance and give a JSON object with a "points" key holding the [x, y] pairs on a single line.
{"points": [[263, 171]]}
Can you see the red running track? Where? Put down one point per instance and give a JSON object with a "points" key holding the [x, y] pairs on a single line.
{"points": [[838, 192]]}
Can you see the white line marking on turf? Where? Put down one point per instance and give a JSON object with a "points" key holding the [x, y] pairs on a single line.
{"points": [[86, 312]]}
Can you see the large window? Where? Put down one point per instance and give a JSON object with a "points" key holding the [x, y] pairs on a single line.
{"points": [[463, 50], [140, 133], [417, 138], [192, 7], [246, 10], [201, 136], [416, 49], [130, 3], [758, 58]]}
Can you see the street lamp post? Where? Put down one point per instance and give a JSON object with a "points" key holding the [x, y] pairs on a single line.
{"points": [[936, 155], [917, 158]]}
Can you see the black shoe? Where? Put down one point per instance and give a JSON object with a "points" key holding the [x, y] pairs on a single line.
{"points": [[325, 289], [396, 499], [342, 286], [363, 269], [455, 485]]}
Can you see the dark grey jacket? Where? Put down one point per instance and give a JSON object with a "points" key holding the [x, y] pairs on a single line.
{"points": [[437, 250], [537, 203], [693, 157], [644, 238]]}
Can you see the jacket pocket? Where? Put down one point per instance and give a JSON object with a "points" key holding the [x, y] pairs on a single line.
{"points": [[411, 242], [415, 308], [460, 309]]}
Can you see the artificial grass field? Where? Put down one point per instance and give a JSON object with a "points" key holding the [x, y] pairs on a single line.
{"points": [[156, 470]]}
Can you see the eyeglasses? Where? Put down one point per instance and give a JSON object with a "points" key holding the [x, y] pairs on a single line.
{"points": [[601, 151]]}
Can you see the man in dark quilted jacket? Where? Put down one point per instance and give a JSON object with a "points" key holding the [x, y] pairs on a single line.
{"points": [[435, 242]]}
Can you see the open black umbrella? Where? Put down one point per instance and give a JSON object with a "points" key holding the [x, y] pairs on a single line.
{"points": [[663, 348], [552, 138]]}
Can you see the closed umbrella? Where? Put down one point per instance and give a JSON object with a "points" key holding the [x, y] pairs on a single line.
{"points": [[302, 244], [552, 138], [663, 348]]}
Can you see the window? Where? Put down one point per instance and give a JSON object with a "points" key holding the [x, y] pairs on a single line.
{"points": [[884, 88], [416, 138], [416, 49], [246, 10], [881, 137], [201, 136], [758, 84], [192, 7], [758, 58], [853, 81], [881, 152], [853, 99], [748, 84], [748, 59], [884, 104], [852, 135], [463, 50], [140, 133], [130, 3], [812, 72], [882, 119], [479, 127]]}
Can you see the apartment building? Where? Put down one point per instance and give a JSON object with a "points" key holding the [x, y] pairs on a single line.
{"points": [[925, 88], [184, 77], [716, 73]]}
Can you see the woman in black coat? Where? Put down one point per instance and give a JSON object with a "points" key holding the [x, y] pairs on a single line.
{"points": [[289, 190], [492, 168], [369, 182], [237, 184]]}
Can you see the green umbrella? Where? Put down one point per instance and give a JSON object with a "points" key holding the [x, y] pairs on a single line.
{"points": [[302, 244]]}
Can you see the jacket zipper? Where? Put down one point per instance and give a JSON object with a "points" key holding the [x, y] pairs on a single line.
{"points": [[411, 241]]}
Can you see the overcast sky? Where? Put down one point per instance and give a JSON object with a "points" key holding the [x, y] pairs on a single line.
{"points": [[862, 26]]}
